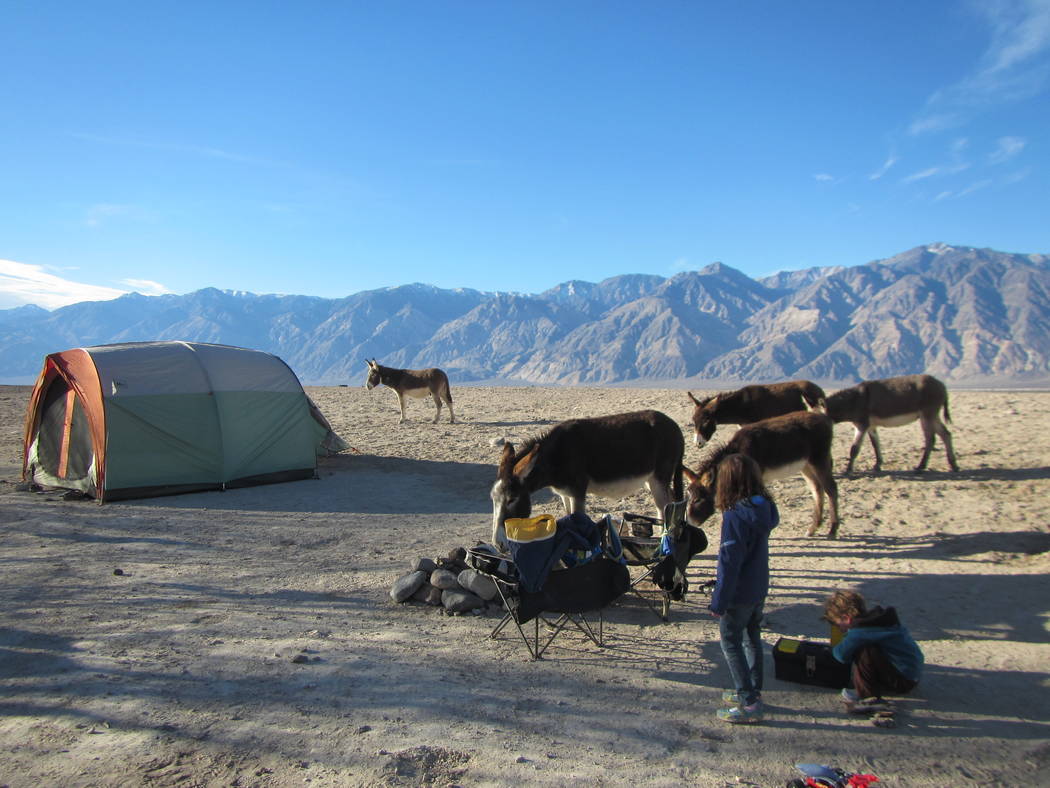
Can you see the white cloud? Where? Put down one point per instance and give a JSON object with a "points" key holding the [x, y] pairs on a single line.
{"points": [[1013, 68], [146, 286], [22, 284], [976, 186], [1006, 148], [921, 175], [890, 161], [823, 177], [1018, 176], [204, 151], [100, 213]]}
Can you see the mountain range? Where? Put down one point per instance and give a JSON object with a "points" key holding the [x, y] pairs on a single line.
{"points": [[966, 315]]}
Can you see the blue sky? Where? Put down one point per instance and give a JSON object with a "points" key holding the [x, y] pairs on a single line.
{"points": [[325, 148]]}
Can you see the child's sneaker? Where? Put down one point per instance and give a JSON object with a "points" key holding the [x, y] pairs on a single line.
{"points": [[741, 715], [869, 706], [732, 697], [849, 695]]}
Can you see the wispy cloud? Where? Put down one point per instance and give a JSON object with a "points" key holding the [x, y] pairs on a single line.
{"points": [[1014, 66], [204, 151], [102, 213], [1006, 148], [680, 265], [890, 161], [976, 186], [21, 284], [1017, 177], [146, 286], [823, 177], [921, 175]]}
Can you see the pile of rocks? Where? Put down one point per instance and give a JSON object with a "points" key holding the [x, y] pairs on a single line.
{"points": [[446, 582]]}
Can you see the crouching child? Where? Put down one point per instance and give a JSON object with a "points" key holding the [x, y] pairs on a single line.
{"points": [[883, 657]]}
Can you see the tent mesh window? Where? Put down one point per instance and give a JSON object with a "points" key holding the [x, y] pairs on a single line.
{"points": [[64, 439]]}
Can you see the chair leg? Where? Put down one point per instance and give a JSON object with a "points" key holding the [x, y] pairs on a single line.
{"points": [[664, 611]]}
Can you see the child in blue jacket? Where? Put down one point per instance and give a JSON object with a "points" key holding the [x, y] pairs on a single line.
{"points": [[883, 657], [748, 515]]}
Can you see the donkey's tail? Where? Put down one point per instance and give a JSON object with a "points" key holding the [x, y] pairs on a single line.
{"points": [[947, 415], [677, 489]]}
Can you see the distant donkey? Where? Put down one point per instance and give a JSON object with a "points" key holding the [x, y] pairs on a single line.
{"points": [[894, 402], [751, 404], [415, 383]]}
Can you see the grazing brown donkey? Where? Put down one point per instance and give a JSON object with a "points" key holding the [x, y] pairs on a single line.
{"points": [[782, 446], [751, 404], [609, 456], [894, 402], [415, 383]]}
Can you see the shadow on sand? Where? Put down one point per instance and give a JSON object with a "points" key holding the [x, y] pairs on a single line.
{"points": [[363, 484]]}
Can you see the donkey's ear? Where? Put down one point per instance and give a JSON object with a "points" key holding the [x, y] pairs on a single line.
{"points": [[506, 461], [524, 466], [699, 402], [689, 475]]}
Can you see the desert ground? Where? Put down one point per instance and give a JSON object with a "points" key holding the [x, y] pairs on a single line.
{"points": [[248, 638]]}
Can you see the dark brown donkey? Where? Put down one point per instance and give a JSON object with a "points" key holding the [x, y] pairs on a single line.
{"points": [[751, 404], [782, 446], [894, 402], [609, 456], [415, 383]]}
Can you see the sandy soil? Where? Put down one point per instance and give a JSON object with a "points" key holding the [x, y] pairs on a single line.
{"points": [[249, 638]]}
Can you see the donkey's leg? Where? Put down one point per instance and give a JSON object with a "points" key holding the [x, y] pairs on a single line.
{"points": [[876, 445], [437, 401], [927, 442], [576, 502], [831, 487], [946, 437], [451, 413], [661, 492], [858, 437], [818, 498], [401, 404]]}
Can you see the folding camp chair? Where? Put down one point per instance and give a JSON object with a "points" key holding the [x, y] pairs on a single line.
{"points": [[662, 549], [576, 595]]}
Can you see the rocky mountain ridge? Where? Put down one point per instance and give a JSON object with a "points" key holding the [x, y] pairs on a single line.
{"points": [[963, 314]]}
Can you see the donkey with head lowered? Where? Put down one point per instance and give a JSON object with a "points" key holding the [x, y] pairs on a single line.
{"points": [[609, 456], [894, 402], [782, 446], [750, 404], [415, 383]]}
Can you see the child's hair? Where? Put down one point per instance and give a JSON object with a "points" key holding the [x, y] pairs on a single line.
{"points": [[739, 477], [844, 604]]}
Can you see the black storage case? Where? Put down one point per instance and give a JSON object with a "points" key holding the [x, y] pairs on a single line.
{"points": [[806, 662]]}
